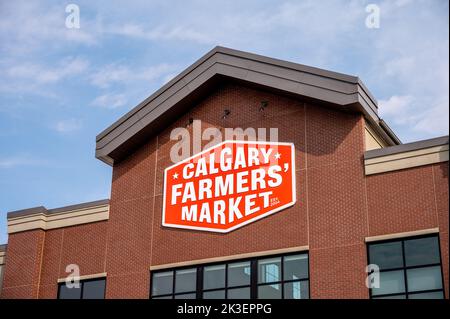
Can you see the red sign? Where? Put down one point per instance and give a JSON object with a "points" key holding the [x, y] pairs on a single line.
{"points": [[229, 185]]}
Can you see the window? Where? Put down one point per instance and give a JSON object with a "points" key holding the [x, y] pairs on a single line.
{"points": [[268, 277], [88, 289], [409, 268]]}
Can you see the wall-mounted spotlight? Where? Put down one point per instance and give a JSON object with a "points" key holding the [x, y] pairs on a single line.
{"points": [[191, 120], [225, 114], [263, 105]]}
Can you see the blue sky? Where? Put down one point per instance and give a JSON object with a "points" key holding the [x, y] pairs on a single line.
{"points": [[60, 87]]}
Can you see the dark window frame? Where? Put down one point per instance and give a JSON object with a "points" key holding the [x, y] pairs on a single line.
{"points": [[282, 282], [253, 284], [82, 286], [405, 268], [200, 288]]}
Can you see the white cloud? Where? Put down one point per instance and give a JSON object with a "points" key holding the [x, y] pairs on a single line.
{"points": [[105, 76], [110, 74], [401, 3], [409, 67], [408, 111], [70, 125], [405, 61], [40, 74], [434, 120], [395, 105], [110, 101], [161, 33], [400, 67], [36, 78], [19, 160], [168, 77], [26, 26]]}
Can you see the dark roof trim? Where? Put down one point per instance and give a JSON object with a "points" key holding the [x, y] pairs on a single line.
{"points": [[345, 91], [3, 247], [43, 210], [386, 130], [408, 147]]}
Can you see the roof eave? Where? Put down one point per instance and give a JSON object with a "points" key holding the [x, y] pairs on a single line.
{"points": [[344, 91]]}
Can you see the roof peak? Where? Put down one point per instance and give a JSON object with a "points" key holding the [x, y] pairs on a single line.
{"points": [[151, 115]]}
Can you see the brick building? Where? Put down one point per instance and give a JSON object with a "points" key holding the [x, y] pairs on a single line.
{"points": [[363, 198]]}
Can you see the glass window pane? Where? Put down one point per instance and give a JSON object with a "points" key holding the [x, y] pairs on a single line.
{"points": [[387, 255], [391, 297], [427, 295], [422, 251], [69, 293], [391, 282], [215, 294], [162, 283], [269, 270], [185, 280], [296, 267], [239, 293], [269, 291], [426, 278], [296, 290], [214, 277], [239, 274], [94, 289], [186, 296]]}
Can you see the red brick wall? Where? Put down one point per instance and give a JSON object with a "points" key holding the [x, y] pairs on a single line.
{"points": [[83, 245], [401, 201], [440, 174], [130, 225], [411, 199], [23, 264], [329, 149], [337, 207], [37, 259], [337, 216]]}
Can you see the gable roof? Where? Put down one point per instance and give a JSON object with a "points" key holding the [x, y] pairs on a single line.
{"points": [[343, 91]]}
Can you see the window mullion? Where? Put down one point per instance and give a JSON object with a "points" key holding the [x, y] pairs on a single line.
{"points": [[253, 279], [173, 283], [199, 283], [405, 278], [226, 281], [440, 264], [282, 277], [82, 288]]}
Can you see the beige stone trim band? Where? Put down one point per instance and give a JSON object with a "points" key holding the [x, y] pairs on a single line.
{"points": [[58, 220], [86, 277], [2, 257], [402, 235], [373, 141], [231, 257], [393, 162]]}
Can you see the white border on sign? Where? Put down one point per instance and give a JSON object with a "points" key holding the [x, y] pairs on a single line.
{"points": [[294, 197]]}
